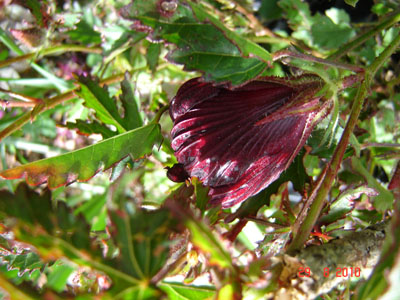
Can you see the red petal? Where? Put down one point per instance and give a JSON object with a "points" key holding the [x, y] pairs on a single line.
{"points": [[239, 141]]}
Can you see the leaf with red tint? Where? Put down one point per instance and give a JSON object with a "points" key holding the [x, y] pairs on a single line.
{"points": [[238, 141], [84, 163]]}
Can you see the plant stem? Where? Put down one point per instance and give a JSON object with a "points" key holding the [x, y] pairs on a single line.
{"points": [[48, 104], [158, 115], [14, 292], [393, 19], [56, 50], [287, 53], [309, 215]]}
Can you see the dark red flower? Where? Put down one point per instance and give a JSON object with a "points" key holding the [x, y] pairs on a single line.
{"points": [[238, 141]]}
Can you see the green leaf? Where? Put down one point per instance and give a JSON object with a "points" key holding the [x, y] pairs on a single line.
{"points": [[98, 99], [93, 127], [143, 237], [35, 8], [55, 231], [328, 35], [23, 262], [351, 2], [140, 293], [92, 208], [99, 222], [328, 32], [37, 207], [383, 282], [39, 210], [85, 34], [203, 42], [201, 193], [152, 55], [95, 212], [208, 242], [246, 47], [132, 118], [177, 291], [82, 164], [59, 274], [384, 200], [345, 203], [270, 10], [297, 13]]}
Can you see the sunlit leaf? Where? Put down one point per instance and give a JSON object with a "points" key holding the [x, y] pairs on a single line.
{"points": [[93, 127], [201, 46], [351, 2], [98, 99], [59, 275], [203, 238], [132, 118], [23, 262], [177, 291], [83, 164], [85, 33], [152, 55], [345, 203], [94, 212], [384, 199]]}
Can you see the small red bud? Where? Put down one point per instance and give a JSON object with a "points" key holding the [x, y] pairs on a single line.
{"points": [[177, 173]]}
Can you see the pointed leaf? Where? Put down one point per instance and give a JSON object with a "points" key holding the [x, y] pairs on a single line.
{"points": [[204, 238], [329, 35], [59, 275], [88, 128], [23, 262], [246, 47], [98, 98], [132, 118], [384, 199], [153, 55], [345, 203], [39, 211], [94, 211], [83, 164], [85, 34], [177, 291], [203, 42]]}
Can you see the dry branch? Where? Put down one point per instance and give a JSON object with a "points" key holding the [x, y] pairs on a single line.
{"points": [[354, 255]]}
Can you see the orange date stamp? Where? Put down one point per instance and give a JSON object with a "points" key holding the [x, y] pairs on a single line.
{"points": [[339, 272]]}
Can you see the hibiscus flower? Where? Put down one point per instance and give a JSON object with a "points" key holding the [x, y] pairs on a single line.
{"points": [[239, 140]]}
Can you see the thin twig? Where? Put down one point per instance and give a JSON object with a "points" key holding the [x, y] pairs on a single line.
{"points": [[50, 103], [56, 50], [389, 22]]}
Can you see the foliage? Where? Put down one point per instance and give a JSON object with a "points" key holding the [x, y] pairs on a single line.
{"points": [[86, 86]]}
